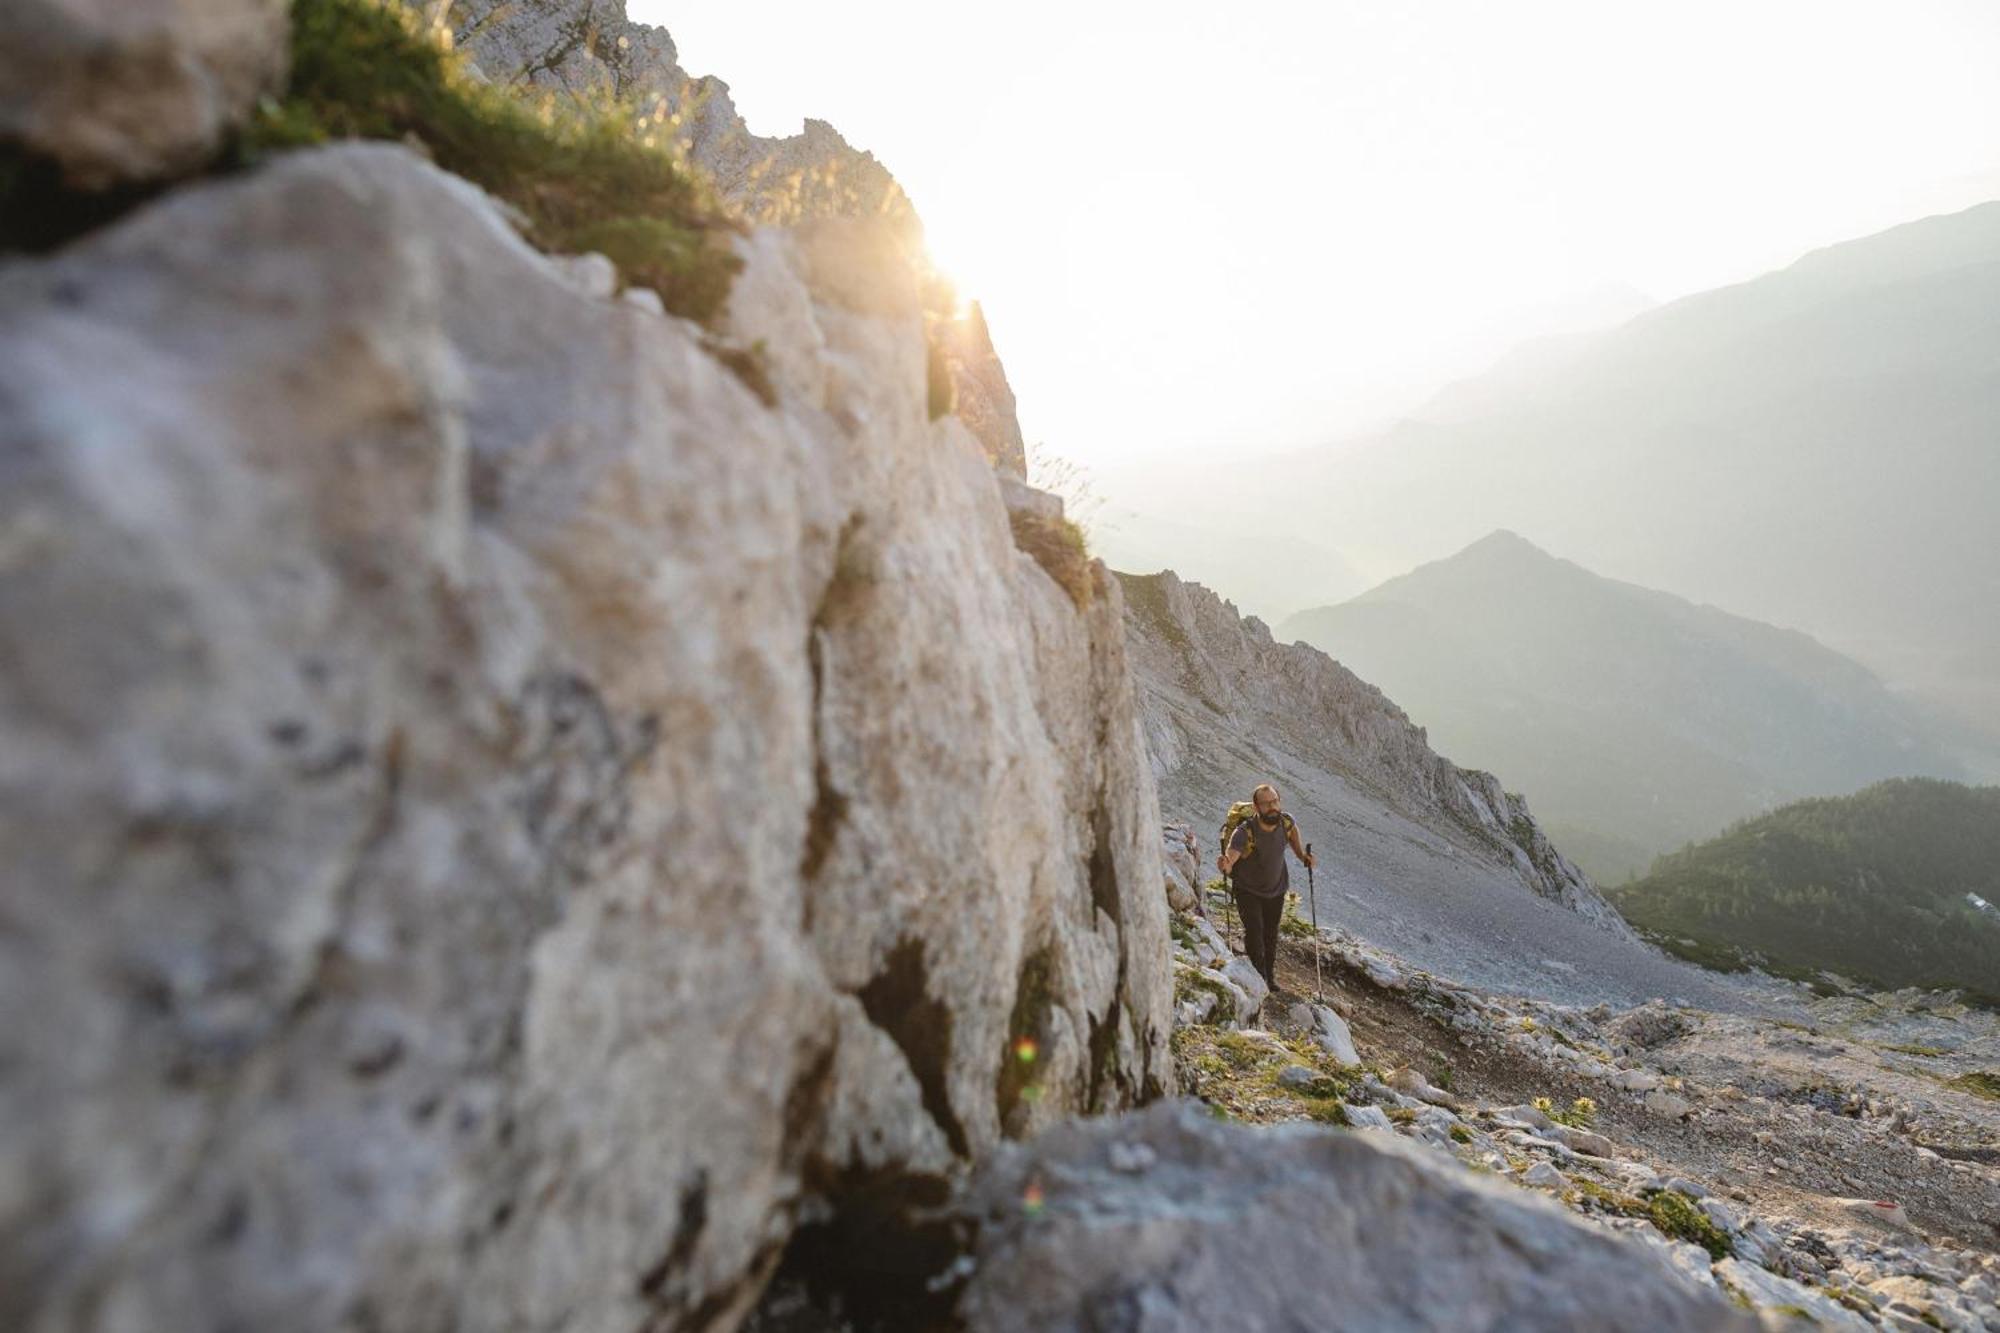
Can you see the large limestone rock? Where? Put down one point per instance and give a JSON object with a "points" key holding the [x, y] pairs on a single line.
{"points": [[1293, 1227], [135, 90], [498, 822]]}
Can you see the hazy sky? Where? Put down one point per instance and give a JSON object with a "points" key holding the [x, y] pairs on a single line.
{"points": [[1257, 225]]}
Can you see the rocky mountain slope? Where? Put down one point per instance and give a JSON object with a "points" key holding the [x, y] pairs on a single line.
{"points": [[1891, 886], [1635, 720], [1435, 861]]}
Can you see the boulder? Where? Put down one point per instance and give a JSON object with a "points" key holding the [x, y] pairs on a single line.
{"points": [[1665, 1104], [1884, 1212], [1343, 1230], [1328, 1030], [1544, 1175], [1635, 1080], [1586, 1141], [1384, 974], [1369, 1117], [1527, 1115], [1210, 949], [500, 823], [1243, 975], [139, 90]]}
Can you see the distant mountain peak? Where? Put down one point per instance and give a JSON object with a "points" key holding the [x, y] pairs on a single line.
{"points": [[1505, 540]]}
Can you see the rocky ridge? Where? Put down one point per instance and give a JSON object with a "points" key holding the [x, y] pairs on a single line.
{"points": [[590, 49]]}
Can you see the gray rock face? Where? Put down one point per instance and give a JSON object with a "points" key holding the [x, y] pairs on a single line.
{"points": [[496, 818], [136, 90], [1295, 1227]]}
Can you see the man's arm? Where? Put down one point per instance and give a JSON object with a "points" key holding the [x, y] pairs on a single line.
{"points": [[1300, 852]]}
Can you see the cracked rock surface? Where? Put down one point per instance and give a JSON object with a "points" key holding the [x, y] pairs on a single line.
{"points": [[498, 821]]}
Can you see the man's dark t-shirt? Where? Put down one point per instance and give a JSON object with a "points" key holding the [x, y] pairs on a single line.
{"points": [[1263, 872]]}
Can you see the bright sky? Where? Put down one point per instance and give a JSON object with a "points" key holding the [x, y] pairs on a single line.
{"points": [[1259, 225]]}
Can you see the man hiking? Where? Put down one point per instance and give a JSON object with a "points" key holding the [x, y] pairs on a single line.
{"points": [[1256, 855]]}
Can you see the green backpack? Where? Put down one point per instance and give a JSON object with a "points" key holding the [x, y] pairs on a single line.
{"points": [[1245, 812]]}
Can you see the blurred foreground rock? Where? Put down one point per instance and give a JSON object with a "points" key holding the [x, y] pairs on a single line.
{"points": [[1293, 1227], [500, 825]]}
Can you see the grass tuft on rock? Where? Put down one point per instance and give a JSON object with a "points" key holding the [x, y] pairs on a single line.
{"points": [[1058, 546], [601, 177]]}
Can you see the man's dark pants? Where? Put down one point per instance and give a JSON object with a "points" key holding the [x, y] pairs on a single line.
{"points": [[1261, 917]]}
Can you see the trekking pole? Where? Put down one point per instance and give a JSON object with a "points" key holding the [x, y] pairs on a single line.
{"points": [[1312, 896]]}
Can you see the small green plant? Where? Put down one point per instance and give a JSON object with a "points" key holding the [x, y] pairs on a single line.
{"points": [[1579, 1114], [1241, 1051], [1931, 1051], [1609, 1201], [1677, 1216], [1460, 1134]]}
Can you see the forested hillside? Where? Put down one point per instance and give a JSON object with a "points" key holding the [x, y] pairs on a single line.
{"points": [[1878, 886]]}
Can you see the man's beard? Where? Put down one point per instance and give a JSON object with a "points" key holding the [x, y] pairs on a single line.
{"points": [[1271, 820]]}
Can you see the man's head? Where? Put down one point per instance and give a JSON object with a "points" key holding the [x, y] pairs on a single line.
{"points": [[1265, 798]]}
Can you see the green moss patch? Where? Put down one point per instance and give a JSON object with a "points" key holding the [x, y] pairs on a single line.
{"points": [[1985, 1084], [1678, 1216]]}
